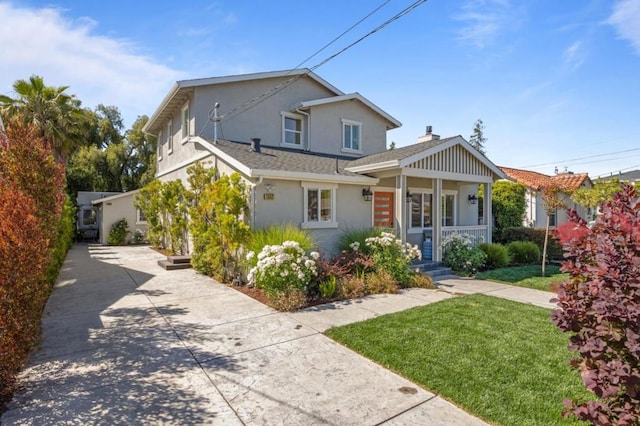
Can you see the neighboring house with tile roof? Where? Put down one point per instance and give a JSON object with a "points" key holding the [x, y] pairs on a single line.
{"points": [[317, 157], [535, 214]]}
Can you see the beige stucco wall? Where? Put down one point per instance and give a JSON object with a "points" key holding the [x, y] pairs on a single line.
{"points": [[116, 209]]}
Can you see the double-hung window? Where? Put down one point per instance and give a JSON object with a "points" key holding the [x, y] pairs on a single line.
{"points": [[319, 206], [170, 137], [185, 123], [291, 130], [159, 143], [351, 136], [421, 210]]}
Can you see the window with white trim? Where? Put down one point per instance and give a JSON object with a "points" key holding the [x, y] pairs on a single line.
{"points": [[140, 217], [449, 209], [159, 143], [421, 210], [319, 206], [185, 123], [170, 137], [291, 129], [351, 136]]}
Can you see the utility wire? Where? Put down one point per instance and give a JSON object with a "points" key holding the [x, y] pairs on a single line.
{"points": [[582, 158], [260, 98]]}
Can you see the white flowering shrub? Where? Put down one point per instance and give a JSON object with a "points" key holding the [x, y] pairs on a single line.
{"points": [[282, 268], [393, 256], [461, 253]]}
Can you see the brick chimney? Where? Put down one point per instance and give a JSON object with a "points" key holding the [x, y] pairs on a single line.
{"points": [[428, 135]]}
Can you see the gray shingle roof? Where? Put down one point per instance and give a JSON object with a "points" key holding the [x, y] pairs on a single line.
{"points": [[282, 159], [398, 153]]}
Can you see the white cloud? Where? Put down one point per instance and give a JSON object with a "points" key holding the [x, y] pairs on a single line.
{"points": [[98, 69], [484, 20], [626, 20], [574, 56]]}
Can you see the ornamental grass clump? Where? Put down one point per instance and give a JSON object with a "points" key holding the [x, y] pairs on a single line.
{"points": [[461, 254], [391, 255], [281, 269]]}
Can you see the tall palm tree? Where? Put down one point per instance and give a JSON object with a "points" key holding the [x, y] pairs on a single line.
{"points": [[59, 116]]}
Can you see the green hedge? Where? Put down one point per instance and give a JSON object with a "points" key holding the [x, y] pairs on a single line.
{"points": [[535, 235]]}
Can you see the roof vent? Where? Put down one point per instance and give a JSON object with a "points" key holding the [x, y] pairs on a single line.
{"points": [[255, 145]]}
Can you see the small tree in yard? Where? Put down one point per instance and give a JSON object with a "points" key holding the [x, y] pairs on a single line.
{"points": [[554, 199], [600, 306], [602, 190]]}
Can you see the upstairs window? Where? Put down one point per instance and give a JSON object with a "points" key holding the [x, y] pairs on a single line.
{"points": [[185, 123], [170, 137], [351, 136], [159, 143], [291, 129]]}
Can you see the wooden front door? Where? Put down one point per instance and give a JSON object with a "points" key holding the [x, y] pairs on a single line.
{"points": [[383, 209]]}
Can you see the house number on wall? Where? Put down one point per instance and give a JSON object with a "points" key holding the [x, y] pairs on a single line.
{"points": [[268, 196]]}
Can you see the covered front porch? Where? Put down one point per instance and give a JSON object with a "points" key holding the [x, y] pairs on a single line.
{"points": [[431, 190]]}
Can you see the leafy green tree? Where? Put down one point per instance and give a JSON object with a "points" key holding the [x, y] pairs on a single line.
{"points": [[602, 191], [477, 139], [554, 197], [508, 205], [217, 222], [58, 115]]}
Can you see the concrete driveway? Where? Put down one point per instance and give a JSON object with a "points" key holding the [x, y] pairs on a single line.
{"points": [[126, 342]]}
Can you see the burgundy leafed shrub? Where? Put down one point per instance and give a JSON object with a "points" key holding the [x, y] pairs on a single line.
{"points": [[600, 305]]}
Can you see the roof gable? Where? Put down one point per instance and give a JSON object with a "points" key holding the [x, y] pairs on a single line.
{"points": [[348, 97], [183, 89], [453, 156]]}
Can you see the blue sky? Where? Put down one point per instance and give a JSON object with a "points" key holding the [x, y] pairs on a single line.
{"points": [[557, 83]]}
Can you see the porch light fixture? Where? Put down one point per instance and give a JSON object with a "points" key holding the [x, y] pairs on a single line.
{"points": [[472, 198], [409, 198], [367, 194]]}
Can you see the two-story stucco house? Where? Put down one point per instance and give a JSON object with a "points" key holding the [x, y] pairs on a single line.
{"points": [[317, 157], [534, 182]]}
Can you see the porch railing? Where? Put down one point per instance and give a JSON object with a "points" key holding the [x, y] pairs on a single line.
{"points": [[478, 232]]}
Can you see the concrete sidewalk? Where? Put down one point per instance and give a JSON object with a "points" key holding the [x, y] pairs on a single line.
{"points": [[126, 342]]}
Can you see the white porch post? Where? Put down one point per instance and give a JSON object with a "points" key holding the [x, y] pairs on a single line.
{"points": [[401, 207], [488, 212], [437, 219]]}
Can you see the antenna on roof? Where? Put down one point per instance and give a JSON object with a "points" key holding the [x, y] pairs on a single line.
{"points": [[215, 120]]}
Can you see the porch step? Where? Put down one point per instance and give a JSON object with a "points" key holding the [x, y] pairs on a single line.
{"points": [[172, 263], [433, 269]]}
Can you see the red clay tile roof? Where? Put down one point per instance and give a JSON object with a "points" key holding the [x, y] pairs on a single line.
{"points": [[536, 181], [533, 180], [570, 181]]}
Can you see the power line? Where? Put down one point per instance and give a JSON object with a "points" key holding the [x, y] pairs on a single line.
{"points": [[582, 158], [260, 98]]}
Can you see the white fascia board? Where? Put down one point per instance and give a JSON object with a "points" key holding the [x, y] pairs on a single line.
{"points": [[313, 177], [457, 140], [183, 164], [461, 177], [242, 168], [114, 197], [172, 92], [348, 97], [368, 168], [259, 76]]}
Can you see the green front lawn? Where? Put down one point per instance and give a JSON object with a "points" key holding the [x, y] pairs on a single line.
{"points": [[526, 276], [500, 360]]}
